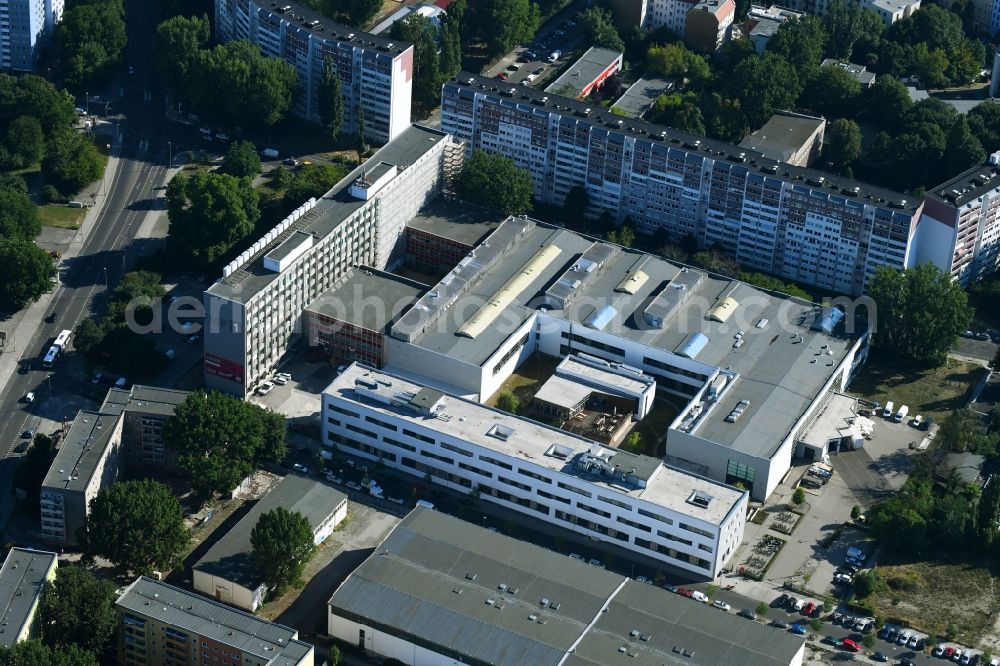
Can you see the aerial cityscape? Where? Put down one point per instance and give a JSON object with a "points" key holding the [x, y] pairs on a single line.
{"points": [[499, 332]]}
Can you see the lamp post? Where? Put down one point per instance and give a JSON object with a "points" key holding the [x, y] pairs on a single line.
{"points": [[105, 279], [170, 154], [86, 102]]}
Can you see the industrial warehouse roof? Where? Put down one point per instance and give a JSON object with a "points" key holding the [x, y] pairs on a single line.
{"points": [[781, 366], [274, 644], [820, 182], [531, 442], [469, 593], [230, 558], [368, 298], [330, 211], [585, 71], [22, 577]]}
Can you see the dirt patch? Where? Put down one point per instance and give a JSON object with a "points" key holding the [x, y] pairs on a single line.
{"points": [[934, 596], [930, 392]]}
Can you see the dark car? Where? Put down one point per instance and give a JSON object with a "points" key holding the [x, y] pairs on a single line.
{"points": [[927, 423], [779, 602], [816, 612], [878, 656], [907, 662], [748, 614], [883, 632], [780, 624]]}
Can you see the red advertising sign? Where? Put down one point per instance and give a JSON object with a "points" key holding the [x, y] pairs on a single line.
{"points": [[224, 368]]}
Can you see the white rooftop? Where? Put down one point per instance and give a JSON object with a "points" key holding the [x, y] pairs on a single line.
{"points": [[524, 439]]}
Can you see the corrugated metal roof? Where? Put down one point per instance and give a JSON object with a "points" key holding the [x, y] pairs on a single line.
{"points": [[694, 344], [600, 318]]}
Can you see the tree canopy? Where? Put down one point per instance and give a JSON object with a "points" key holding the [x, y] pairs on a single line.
{"points": [[281, 546], [599, 29], [209, 213], [221, 440], [88, 42], [800, 42], [18, 215], [241, 160], [675, 61], [33, 652], [496, 182], [843, 143], [176, 45], [504, 23], [919, 312], [137, 525], [25, 272], [71, 161], [312, 180], [847, 25], [763, 84], [331, 100], [77, 609], [427, 77]]}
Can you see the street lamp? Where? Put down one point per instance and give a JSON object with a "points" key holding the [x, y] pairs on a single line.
{"points": [[86, 102], [105, 279]]}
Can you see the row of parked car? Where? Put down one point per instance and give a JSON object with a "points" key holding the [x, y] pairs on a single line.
{"points": [[961, 656]]}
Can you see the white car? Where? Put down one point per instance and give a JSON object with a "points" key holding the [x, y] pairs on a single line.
{"points": [[300, 468], [722, 605], [30, 397], [643, 579], [353, 485], [912, 643], [843, 578], [596, 562], [283, 374], [917, 420], [280, 381], [575, 556], [265, 388], [333, 478]]}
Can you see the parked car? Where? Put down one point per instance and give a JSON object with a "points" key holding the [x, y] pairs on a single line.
{"points": [[779, 624], [513, 67], [939, 650], [927, 423], [264, 388], [683, 591], [852, 561], [670, 588], [848, 644], [300, 468], [643, 579], [722, 605], [798, 604], [502, 76], [699, 596], [904, 636], [912, 643], [843, 578], [907, 662], [798, 629], [29, 397], [917, 420], [577, 557], [596, 562], [779, 601], [809, 607], [290, 161], [878, 656], [333, 478], [831, 640]]}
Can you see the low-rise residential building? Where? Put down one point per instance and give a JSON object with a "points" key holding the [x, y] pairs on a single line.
{"points": [[762, 22], [959, 231], [799, 223], [891, 10], [25, 27], [376, 73], [162, 625], [706, 26], [588, 73], [859, 72], [227, 572], [439, 590], [633, 501], [639, 96], [793, 138], [125, 431], [23, 576], [254, 311]]}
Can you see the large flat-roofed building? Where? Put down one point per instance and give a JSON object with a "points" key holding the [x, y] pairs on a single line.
{"points": [[960, 228], [442, 234], [801, 224], [125, 431], [719, 345], [227, 572], [588, 73], [439, 590], [161, 625], [254, 311], [351, 320], [633, 501], [376, 73], [24, 574], [793, 138]]}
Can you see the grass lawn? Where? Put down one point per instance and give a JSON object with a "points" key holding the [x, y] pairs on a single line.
{"points": [[933, 595], [527, 379], [63, 217], [654, 426], [931, 392]]}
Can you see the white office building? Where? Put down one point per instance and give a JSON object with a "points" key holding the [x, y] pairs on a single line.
{"points": [[25, 26], [636, 502], [254, 311], [376, 73]]}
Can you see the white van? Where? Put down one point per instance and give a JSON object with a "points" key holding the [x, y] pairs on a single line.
{"points": [[901, 414], [887, 412], [699, 596], [425, 504]]}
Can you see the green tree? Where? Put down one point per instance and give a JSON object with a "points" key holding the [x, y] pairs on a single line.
{"points": [[846, 23], [35, 653], [233, 84], [599, 29], [678, 111], [427, 79], [31, 471], [832, 91], [312, 180], [137, 525], [282, 545], [962, 151], [984, 121], [331, 100], [209, 213], [18, 216], [868, 641], [34, 97], [504, 23], [176, 45], [25, 141], [88, 42], [800, 42], [25, 273], [888, 101], [496, 182], [574, 207], [333, 657], [281, 178], [988, 513], [762, 609], [931, 65], [241, 160], [77, 609], [674, 61], [71, 161], [633, 443], [451, 40], [724, 118], [920, 312], [508, 402], [360, 12], [843, 143], [855, 512], [764, 84], [624, 236], [867, 583], [221, 440], [799, 496], [87, 336]]}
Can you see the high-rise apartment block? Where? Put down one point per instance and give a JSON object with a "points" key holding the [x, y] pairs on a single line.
{"points": [[376, 73], [25, 25], [254, 312], [799, 223]]}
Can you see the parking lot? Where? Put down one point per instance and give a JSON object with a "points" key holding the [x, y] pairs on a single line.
{"points": [[532, 63]]}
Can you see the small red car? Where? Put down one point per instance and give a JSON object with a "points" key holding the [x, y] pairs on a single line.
{"points": [[847, 643], [502, 76], [684, 592], [949, 652], [810, 607]]}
